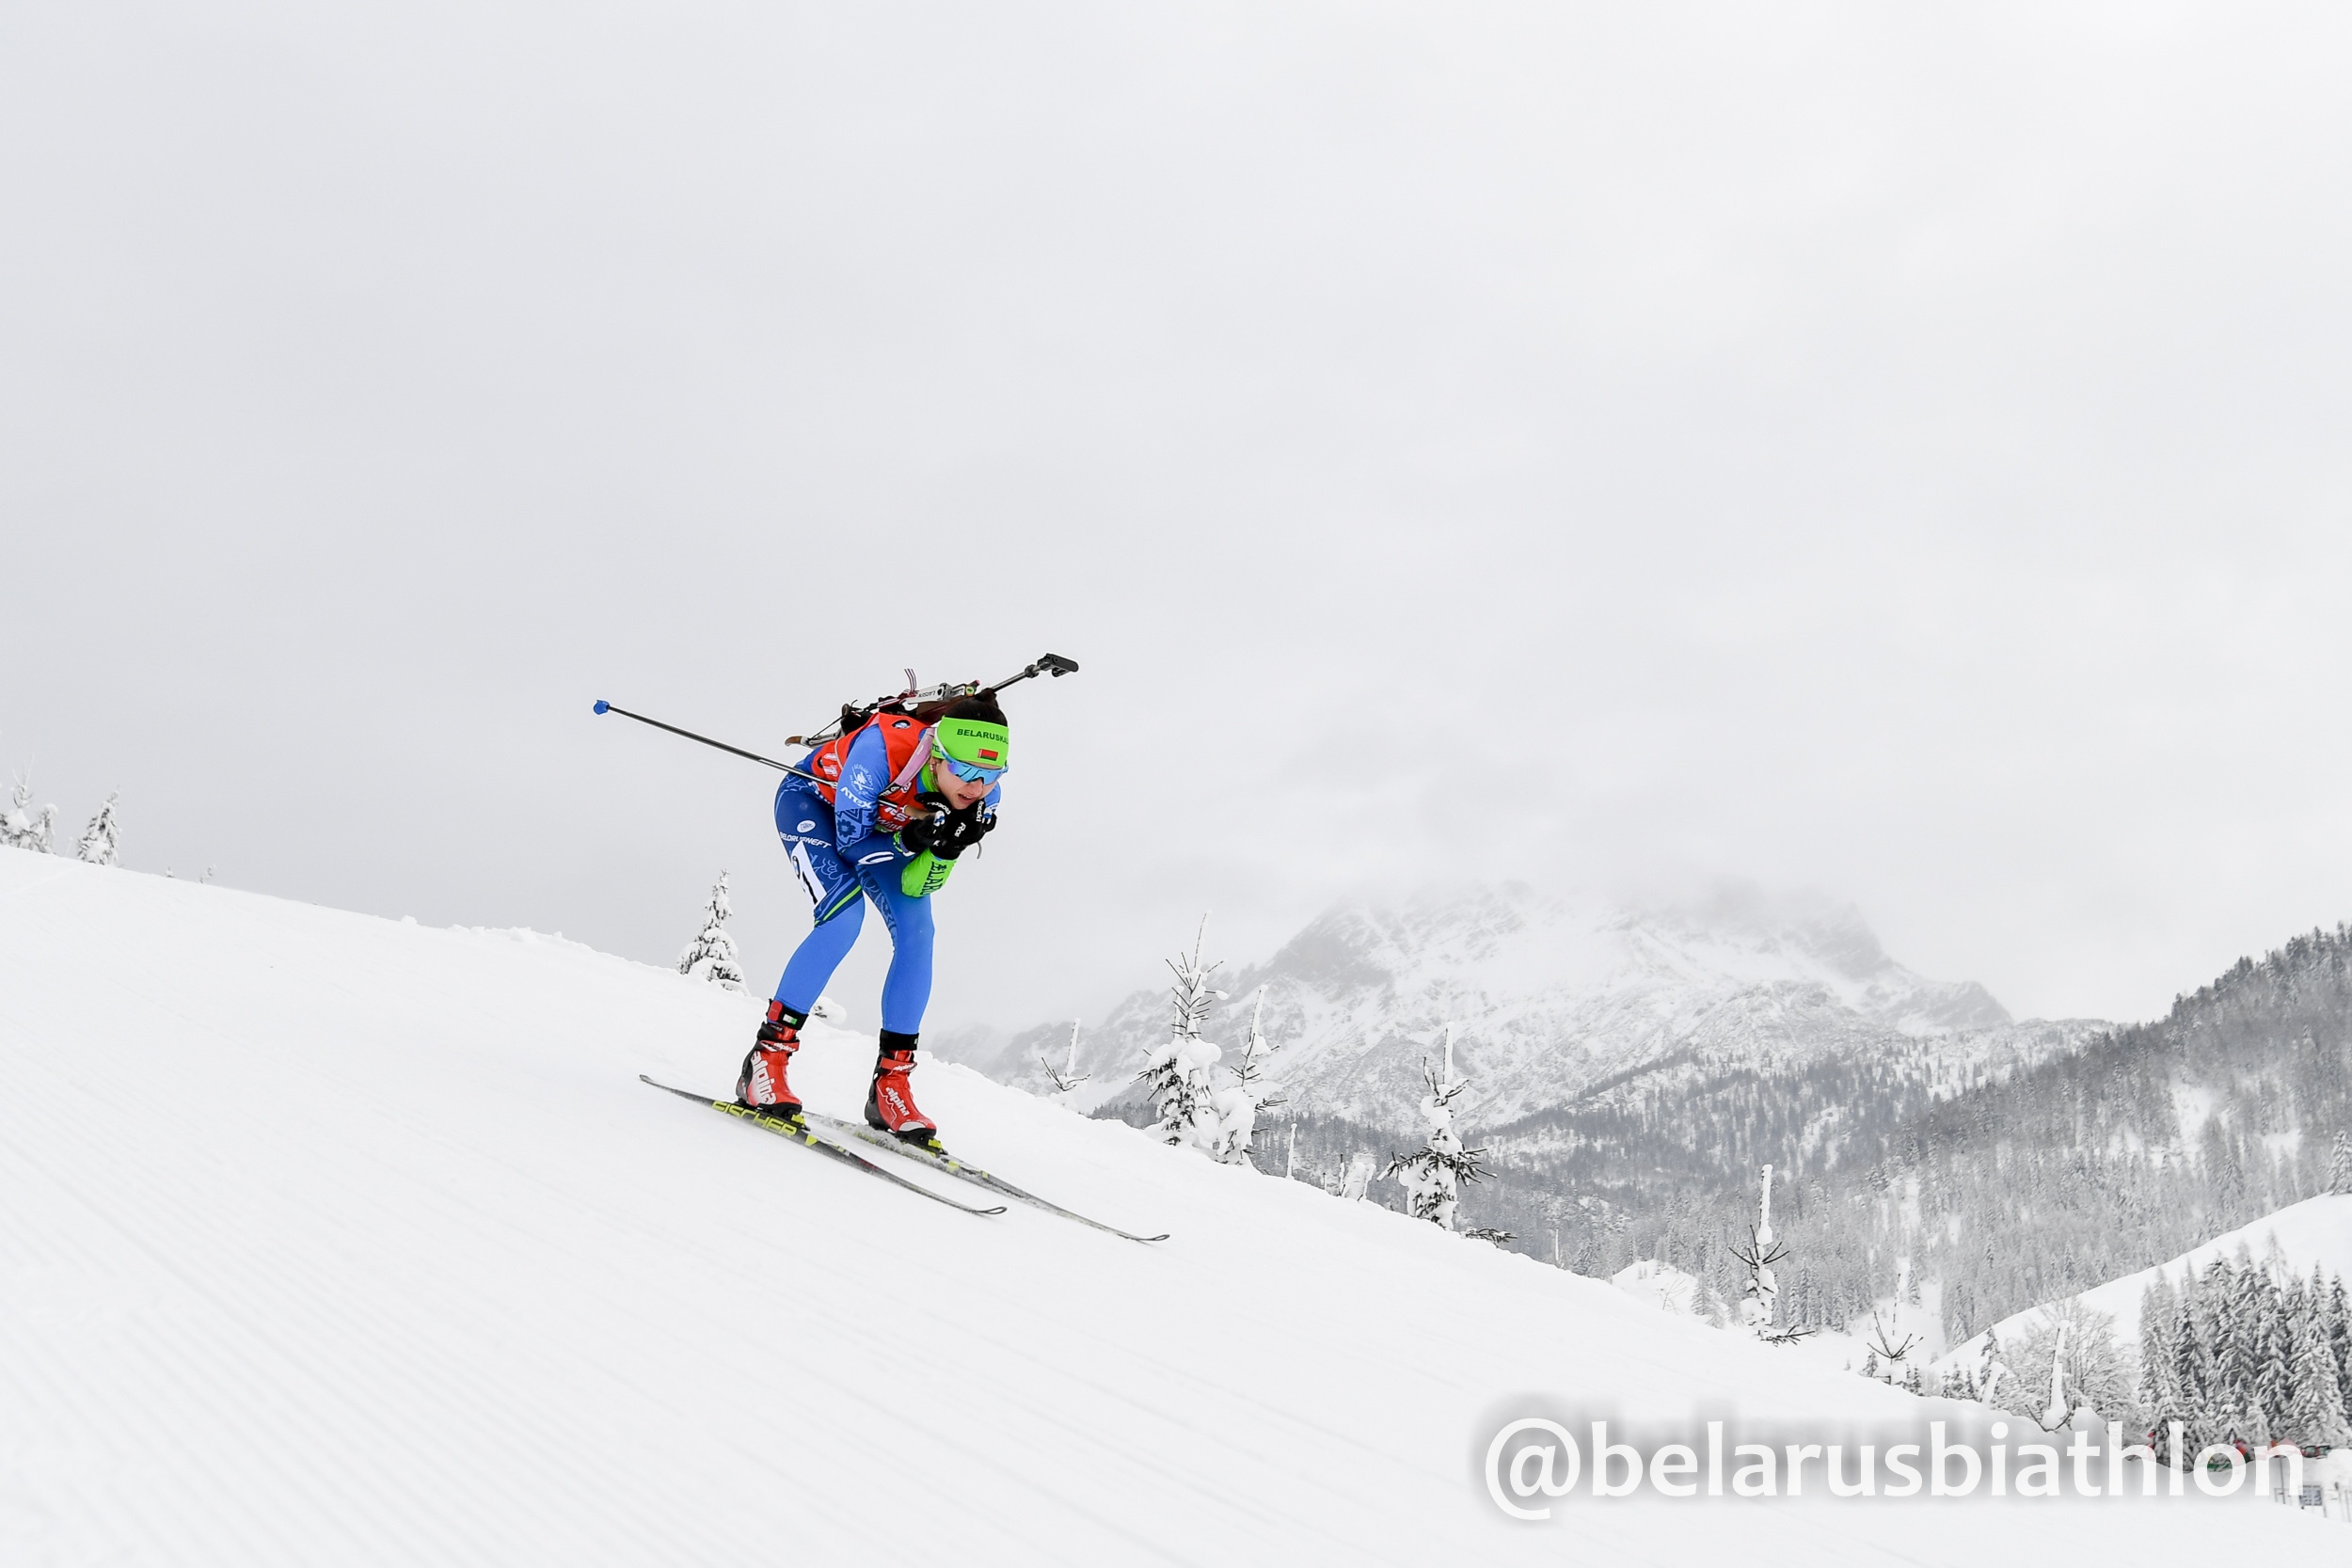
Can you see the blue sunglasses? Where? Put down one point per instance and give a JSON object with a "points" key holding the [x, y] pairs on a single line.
{"points": [[968, 772]]}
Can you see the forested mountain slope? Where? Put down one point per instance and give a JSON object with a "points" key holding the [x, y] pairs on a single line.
{"points": [[2128, 1146]]}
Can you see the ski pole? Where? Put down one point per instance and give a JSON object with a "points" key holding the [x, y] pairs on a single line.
{"points": [[1049, 664], [603, 706]]}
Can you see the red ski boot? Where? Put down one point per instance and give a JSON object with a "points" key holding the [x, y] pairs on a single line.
{"points": [[890, 1101], [761, 1085]]}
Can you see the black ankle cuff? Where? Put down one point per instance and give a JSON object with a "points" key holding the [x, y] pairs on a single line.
{"points": [[894, 1042]]}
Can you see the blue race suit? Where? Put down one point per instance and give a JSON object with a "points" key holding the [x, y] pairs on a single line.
{"points": [[838, 857]]}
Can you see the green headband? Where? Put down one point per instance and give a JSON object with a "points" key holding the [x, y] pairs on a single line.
{"points": [[975, 742]]}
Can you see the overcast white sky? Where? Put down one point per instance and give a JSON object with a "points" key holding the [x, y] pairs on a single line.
{"points": [[1896, 450]]}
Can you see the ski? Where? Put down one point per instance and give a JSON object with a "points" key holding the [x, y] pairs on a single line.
{"points": [[796, 1130], [939, 1159]]}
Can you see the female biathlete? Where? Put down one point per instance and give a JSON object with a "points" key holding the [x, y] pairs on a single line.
{"points": [[900, 799]]}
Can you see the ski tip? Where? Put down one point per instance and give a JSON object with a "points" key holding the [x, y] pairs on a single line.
{"points": [[1161, 1237], [603, 706], [998, 1210]]}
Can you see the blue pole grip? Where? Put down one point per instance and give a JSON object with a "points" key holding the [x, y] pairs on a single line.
{"points": [[602, 705]]}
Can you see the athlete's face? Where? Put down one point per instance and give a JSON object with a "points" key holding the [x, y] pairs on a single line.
{"points": [[960, 792]]}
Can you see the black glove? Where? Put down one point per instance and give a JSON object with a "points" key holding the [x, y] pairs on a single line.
{"points": [[959, 832], [919, 835], [945, 833]]}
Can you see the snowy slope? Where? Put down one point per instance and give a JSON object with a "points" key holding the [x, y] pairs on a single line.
{"points": [[335, 1240], [1552, 996], [2314, 1233]]}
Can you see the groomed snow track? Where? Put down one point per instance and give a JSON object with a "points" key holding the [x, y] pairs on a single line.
{"points": [[326, 1238]]}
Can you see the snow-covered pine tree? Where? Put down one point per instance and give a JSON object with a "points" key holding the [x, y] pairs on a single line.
{"points": [[1760, 1304], [2319, 1291], [1066, 1077], [2233, 1423], [2156, 1390], [2340, 1164], [2336, 1318], [2274, 1376], [1259, 1091], [1252, 1094], [102, 841], [1179, 1073], [2192, 1373], [2316, 1415], [21, 826], [711, 954], [1432, 1175], [2237, 1339], [1356, 1180]]}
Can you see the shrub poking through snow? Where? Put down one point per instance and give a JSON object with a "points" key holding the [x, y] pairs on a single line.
{"points": [[1067, 1077]]}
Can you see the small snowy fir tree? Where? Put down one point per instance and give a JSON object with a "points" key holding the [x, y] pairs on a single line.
{"points": [[21, 826], [102, 841], [1066, 1077], [1760, 1304], [1249, 1096], [711, 954], [1356, 1180], [2340, 1166], [1179, 1073], [1432, 1176]]}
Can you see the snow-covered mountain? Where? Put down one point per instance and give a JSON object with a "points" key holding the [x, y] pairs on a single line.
{"points": [[335, 1240], [1553, 999]]}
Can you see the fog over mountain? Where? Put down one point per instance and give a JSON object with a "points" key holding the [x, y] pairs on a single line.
{"points": [[1550, 997]]}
